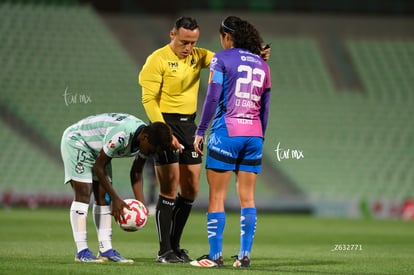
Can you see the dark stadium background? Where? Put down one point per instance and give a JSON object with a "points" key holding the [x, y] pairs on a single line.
{"points": [[342, 94]]}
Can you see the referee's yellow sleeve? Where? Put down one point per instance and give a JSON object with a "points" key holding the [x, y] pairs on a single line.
{"points": [[152, 107], [150, 79]]}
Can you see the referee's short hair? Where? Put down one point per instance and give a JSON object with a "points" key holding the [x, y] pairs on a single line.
{"points": [[185, 22]]}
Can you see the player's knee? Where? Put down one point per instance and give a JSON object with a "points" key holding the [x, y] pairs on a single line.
{"points": [[168, 190], [82, 191], [190, 191]]}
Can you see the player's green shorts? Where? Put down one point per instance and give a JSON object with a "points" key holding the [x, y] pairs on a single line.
{"points": [[78, 160]]}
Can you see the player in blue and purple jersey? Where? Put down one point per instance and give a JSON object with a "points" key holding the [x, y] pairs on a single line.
{"points": [[237, 101]]}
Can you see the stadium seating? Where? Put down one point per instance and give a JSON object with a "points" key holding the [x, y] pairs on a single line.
{"points": [[356, 145], [26, 168], [386, 67], [60, 64]]}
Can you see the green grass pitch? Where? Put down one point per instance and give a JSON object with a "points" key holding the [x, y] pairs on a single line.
{"points": [[40, 242]]}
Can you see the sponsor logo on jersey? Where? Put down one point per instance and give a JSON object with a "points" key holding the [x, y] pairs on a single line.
{"points": [[173, 66]]}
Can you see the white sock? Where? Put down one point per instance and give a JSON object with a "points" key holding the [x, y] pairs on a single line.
{"points": [[78, 217], [103, 222]]}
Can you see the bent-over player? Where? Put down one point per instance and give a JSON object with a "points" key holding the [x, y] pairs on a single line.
{"points": [[87, 148]]}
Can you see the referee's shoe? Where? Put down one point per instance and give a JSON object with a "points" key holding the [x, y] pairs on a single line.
{"points": [[169, 257]]}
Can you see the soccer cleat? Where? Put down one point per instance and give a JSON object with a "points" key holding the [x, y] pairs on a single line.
{"points": [[182, 254], [86, 256], [205, 261], [113, 256], [245, 262], [169, 257]]}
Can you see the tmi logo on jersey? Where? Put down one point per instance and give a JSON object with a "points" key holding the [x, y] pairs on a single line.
{"points": [[173, 65]]}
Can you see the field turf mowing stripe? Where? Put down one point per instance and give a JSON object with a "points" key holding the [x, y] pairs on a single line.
{"points": [[40, 242]]}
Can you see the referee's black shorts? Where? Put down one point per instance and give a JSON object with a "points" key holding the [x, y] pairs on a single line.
{"points": [[183, 127]]}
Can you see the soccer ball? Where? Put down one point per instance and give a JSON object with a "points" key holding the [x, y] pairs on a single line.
{"points": [[136, 218]]}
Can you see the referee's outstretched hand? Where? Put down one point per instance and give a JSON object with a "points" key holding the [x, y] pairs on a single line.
{"points": [[198, 145], [176, 145]]}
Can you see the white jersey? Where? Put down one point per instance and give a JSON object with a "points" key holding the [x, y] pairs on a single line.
{"points": [[115, 133]]}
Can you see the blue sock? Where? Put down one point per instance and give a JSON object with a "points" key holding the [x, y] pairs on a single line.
{"points": [[247, 229], [215, 227]]}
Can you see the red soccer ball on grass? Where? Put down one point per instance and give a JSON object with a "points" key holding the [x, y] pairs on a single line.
{"points": [[136, 218]]}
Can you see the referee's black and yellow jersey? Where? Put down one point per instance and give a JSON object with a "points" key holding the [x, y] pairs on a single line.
{"points": [[170, 84]]}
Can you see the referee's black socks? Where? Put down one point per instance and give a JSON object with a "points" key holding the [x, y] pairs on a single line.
{"points": [[163, 219], [180, 214]]}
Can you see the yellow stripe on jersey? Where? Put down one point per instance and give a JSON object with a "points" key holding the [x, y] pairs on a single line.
{"points": [[170, 84]]}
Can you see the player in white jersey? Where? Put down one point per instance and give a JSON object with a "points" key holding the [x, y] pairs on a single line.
{"points": [[87, 148]]}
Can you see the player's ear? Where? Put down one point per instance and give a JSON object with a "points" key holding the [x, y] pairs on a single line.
{"points": [[172, 34]]}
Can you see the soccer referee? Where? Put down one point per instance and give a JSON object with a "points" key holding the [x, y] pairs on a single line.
{"points": [[170, 80]]}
